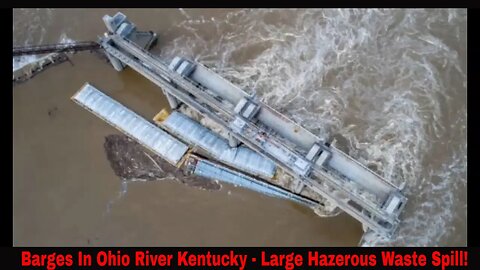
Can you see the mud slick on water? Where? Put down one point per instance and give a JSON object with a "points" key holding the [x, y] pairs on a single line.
{"points": [[131, 162]]}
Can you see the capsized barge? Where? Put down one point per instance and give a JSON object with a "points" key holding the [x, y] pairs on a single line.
{"points": [[217, 130]]}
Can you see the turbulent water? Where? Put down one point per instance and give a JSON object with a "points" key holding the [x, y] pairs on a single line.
{"points": [[388, 85], [20, 61]]}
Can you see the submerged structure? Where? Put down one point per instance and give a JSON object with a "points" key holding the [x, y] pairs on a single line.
{"points": [[217, 130]]}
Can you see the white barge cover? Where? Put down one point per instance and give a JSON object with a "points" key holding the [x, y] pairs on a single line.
{"points": [[130, 123], [209, 169], [242, 158]]}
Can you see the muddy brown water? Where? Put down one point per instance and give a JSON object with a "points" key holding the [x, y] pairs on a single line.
{"points": [[67, 193]]}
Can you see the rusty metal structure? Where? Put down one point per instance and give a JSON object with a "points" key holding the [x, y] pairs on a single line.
{"points": [[56, 48]]}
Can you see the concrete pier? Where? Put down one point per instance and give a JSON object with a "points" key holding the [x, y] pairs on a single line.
{"points": [[325, 170]]}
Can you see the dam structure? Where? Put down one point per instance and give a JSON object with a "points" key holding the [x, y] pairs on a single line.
{"points": [[254, 143]]}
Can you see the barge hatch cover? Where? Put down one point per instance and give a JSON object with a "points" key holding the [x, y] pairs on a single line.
{"points": [[130, 123], [240, 157]]}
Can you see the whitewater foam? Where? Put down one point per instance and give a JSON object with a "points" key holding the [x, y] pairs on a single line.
{"points": [[390, 83]]}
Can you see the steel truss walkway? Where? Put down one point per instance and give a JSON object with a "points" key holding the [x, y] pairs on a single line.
{"points": [[58, 48]]}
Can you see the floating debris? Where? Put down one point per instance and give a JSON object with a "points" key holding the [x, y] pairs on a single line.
{"points": [[28, 71], [131, 161]]}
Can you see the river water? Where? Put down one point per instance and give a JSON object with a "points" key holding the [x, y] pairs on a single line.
{"points": [[389, 85]]}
